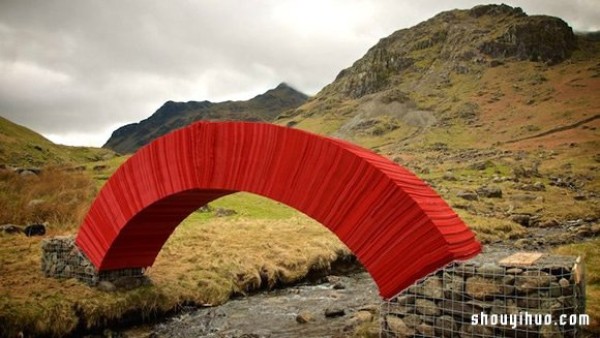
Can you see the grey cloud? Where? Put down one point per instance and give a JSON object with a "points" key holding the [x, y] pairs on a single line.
{"points": [[76, 67]]}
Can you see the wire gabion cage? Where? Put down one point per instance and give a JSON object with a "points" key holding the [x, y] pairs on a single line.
{"points": [[61, 258], [493, 295]]}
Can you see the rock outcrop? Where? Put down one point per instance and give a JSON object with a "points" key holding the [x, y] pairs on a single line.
{"points": [[453, 42]]}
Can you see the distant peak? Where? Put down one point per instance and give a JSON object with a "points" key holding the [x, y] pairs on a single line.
{"points": [[496, 10], [283, 85], [286, 89]]}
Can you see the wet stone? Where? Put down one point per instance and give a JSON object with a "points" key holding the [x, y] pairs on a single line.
{"points": [[334, 312], [304, 317], [363, 316]]}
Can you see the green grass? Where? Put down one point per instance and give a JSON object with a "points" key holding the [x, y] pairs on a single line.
{"points": [[20, 146], [250, 206], [590, 252], [320, 125]]}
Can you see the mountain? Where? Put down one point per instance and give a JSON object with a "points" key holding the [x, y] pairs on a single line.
{"points": [[497, 110], [173, 115], [22, 147], [469, 99], [489, 70]]}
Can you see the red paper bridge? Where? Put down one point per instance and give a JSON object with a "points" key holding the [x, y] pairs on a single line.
{"points": [[397, 226]]}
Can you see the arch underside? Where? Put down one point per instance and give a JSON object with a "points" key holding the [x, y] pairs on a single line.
{"points": [[397, 226]]}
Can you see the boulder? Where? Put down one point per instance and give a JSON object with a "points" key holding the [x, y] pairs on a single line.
{"points": [[522, 219], [551, 223], [467, 195], [304, 317], [106, 286], [339, 286], [35, 230], [332, 312], [222, 212], [10, 229], [449, 176], [489, 192], [363, 317], [26, 173], [100, 167]]}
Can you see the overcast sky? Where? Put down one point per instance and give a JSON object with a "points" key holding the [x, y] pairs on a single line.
{"points": [[76, 70]]}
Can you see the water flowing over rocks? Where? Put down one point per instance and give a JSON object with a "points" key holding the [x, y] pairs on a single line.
{"points": [[298, 311]]}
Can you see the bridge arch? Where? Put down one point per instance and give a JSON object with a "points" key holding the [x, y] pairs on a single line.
{"points": [[395, 224]]}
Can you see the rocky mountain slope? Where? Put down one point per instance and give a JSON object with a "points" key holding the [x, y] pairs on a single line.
{"points": [[173, 115], [492, 68], [496, 109], [22, 147]]}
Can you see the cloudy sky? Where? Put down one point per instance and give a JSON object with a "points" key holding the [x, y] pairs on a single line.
{"points": [[76, 70]]}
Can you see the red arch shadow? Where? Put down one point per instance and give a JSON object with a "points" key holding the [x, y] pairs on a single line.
{"points": [[397, 226]]}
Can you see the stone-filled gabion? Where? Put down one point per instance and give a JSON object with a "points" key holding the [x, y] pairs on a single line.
{"points": [[61, 258], [509, 300]]}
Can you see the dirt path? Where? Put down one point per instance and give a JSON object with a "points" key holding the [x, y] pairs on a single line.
{"points": [[556, 130]]}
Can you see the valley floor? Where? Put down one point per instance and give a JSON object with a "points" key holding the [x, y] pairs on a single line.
{"points": [[527, 200]]}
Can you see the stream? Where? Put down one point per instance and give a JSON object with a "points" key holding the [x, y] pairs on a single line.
{"points": [[274, 313]]}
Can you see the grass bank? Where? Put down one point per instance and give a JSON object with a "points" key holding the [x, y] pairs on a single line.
{"points": [[206, 261], [590, 252]]}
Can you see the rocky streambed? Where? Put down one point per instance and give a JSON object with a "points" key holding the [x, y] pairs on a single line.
{"points": [[332, 308]]}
